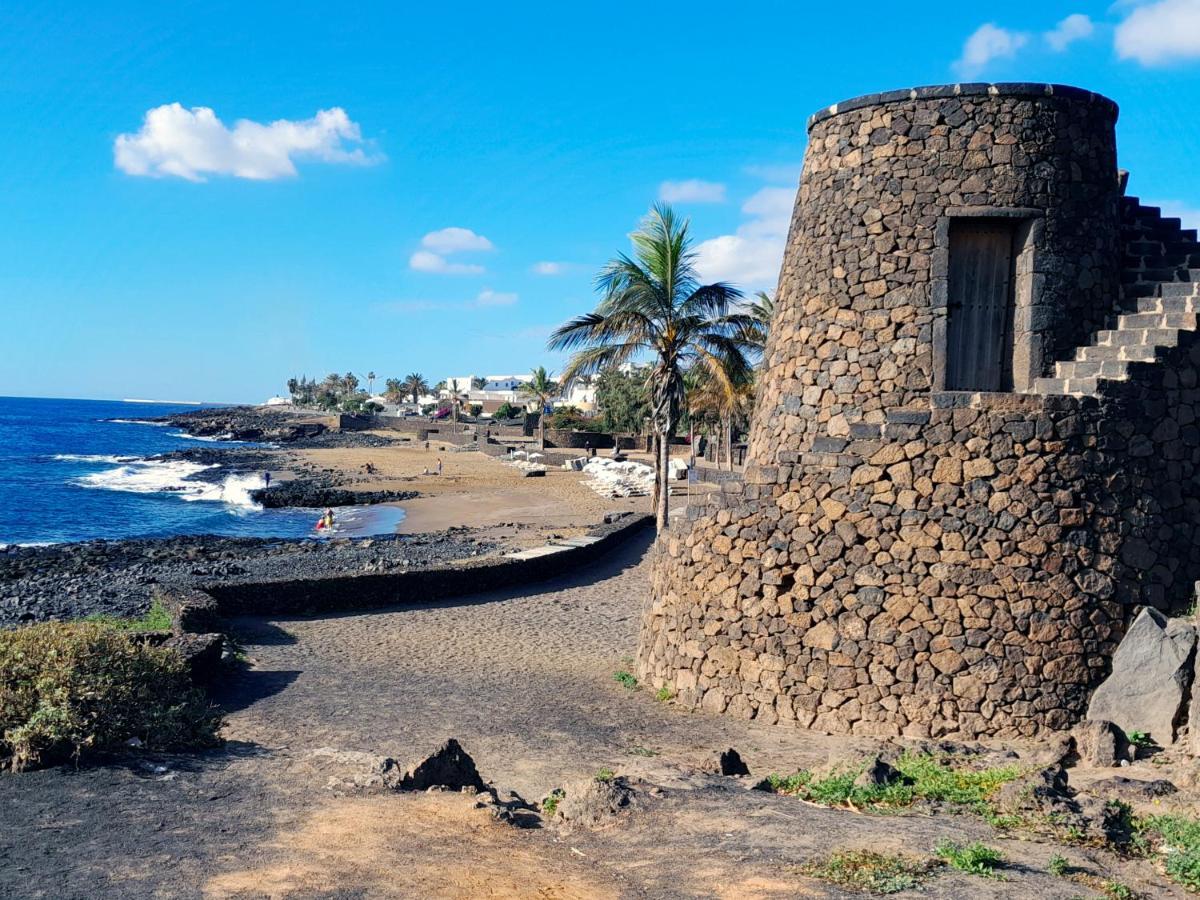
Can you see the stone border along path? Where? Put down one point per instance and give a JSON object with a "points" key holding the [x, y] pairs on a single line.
{"points": [[371, 591]]}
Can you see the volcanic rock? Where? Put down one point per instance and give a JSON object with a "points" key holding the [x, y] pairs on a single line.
{"points": [[1151, 674]]}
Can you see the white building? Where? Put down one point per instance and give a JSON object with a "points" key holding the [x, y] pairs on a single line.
{"points": [[505, 382], [456, 384]]}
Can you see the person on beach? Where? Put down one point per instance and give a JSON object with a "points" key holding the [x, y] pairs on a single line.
{"points": [[439, 469], [266, 480], [325, 523]]}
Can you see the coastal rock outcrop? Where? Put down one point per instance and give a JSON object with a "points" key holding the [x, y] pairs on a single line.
{"points": [[302, 492]]}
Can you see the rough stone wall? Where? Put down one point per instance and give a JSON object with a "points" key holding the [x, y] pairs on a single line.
{"points": [[901, 560]]}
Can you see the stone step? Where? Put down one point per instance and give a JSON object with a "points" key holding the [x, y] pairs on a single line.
{"points": [[1190, 304], [1128, 353], [1125, 337], [1116, 369], [1177, 320], [1178, 288], [1075, 386]]}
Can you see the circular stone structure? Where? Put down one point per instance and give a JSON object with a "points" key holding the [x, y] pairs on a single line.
{"points": [[923, 544]]}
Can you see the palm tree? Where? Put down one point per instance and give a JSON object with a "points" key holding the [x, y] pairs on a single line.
{"points": [[416, 386], [539, 387], [727, 401], [761, 310], [371, 376], [654, 305]]}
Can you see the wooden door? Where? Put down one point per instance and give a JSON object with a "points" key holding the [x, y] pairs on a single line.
{"points": [[979, 337]]}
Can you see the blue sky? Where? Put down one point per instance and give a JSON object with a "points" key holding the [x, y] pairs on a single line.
{"points": [[441, 183]]}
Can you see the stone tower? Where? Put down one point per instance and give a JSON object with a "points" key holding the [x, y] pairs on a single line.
{"points": [[974, 452]]}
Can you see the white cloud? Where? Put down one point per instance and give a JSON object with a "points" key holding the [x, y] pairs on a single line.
{"points": [[751, 257], [454, 240], [426, 261], [193, 143], [1161, 33], [548, 268], [1071, 29], [988, 42], [488, 297], [445, 242], [691, 191]]}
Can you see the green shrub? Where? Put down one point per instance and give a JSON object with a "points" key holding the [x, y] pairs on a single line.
{"points": [[1058, 865], [878, 873], [157, 618], [625, 679], [1179, 838], [550, 803], [923, 777], [974, 858], [70, 687], [664, 694]]}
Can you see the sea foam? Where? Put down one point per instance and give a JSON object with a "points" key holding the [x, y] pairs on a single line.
{"points": [[153, 476]]}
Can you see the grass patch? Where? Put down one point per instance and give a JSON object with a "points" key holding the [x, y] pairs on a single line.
{"points": [[154, 619], [876, 873], [69, 687], [1058, 865], [663, 694], [550, 803], [1178, 838], [605, 775], [625, 679], [1140, 740], [923, 777], [974, 858]]}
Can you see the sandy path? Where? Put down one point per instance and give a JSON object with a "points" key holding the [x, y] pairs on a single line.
{"points": [[525, 682]]}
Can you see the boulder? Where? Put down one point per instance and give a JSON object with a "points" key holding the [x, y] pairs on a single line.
{"points": [[1042, 792], [878, 772], [1151, 675], [1132, 790], [1194, 718], [592, 802], [449, 767], [1101, 743], [351, 771], [727, 762]]}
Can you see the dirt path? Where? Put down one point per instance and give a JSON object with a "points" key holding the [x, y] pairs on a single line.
{"points": [[525, 683]]}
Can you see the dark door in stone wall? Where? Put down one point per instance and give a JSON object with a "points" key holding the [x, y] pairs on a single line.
{"points": [[979, 334]]}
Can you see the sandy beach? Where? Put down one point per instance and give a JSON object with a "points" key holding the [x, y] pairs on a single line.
{"points": [[474, 490]]}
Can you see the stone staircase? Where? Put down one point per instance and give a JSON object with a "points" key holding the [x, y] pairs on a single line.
{"points": [[1160, 288]]}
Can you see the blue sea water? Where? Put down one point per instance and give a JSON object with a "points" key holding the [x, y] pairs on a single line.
{"points": [[70, 473]]}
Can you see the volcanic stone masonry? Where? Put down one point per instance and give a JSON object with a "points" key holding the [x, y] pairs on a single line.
{"points": [[975, 452]]}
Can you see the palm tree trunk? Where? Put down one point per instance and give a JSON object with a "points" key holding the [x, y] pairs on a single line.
{"points": [[664, 489]]}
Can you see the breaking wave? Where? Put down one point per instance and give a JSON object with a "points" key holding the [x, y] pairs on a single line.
{"points": [[152, 476]]}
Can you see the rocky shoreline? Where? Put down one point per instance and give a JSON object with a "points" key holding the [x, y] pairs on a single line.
{"points": [[71, 581]]}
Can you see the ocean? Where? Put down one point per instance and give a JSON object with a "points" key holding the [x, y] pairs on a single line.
{"points": [[69, 472]]}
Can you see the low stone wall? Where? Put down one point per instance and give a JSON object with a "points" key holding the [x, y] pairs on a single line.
{"points": [[577, 440], [360, 592]]}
